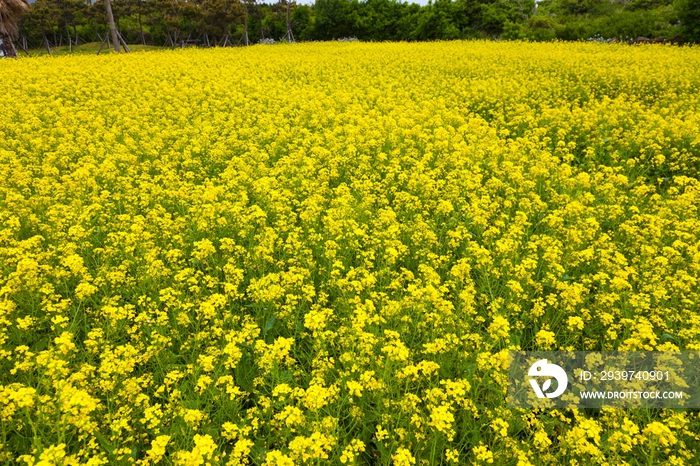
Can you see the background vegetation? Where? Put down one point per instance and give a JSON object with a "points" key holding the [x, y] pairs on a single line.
{"points": [[53, 23]]}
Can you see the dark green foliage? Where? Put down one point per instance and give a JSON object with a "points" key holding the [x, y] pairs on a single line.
{"points": [[493, 17], [513, 31], [437, 21], [541, 28], [334, 19], [170, 22], [579, 7], [604, 20], [573, 30], [689, 15], [303, 22], [629, 24]]}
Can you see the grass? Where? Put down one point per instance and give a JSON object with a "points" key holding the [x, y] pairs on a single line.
{"points": [[86, 49]]}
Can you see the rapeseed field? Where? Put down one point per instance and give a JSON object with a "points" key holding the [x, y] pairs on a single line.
{"points": [[322, 253]]}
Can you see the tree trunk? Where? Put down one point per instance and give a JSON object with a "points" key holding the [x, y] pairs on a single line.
{"points": [[245, 25], [8, 45], [110, 16], [289, 36], [46, 40], [123, 42], [143, 38], [70, 40], [103, 43]]}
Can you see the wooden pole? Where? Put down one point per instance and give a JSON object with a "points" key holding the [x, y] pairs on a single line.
{"points": [[123, 42], [70, 40], [115, 39], [46, 40], [289, 36], [102, 44], [245, 24]]}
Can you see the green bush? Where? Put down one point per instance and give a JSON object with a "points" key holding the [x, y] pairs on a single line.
{"points": [[632, 24], [513, 31], [541, 28], [571, 31], [493, 17]]}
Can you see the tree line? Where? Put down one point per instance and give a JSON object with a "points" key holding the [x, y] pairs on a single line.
{"points": [[228, 22], [49, 23]]}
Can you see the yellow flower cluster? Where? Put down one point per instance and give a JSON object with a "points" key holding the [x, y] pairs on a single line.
{"points": [[322, 253]]}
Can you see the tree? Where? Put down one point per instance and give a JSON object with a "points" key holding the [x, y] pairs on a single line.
{"points": [[302, 19], [42, 18], [379, 19], [218, 16], [437, 22], [333, 19], [689, 14], [66, 13], [11, 11]]}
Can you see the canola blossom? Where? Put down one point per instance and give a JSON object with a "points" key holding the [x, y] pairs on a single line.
{"points": [[322, 253]]}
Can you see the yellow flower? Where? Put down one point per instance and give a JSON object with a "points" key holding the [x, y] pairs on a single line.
{"points": [[500, 427], [276, 458], [575, 323], [84, 290], [659, 432], [201, 454], [317, 396], [441, 418], [157, 450], [193, 417], [359, 237], [541, 440], [381, 433], [55, 455], [355, 388], [314, 447], [291, 416], [351, 452], [403, 457], [240, 452], [499, 328], [545, 339], [482, 454]]}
